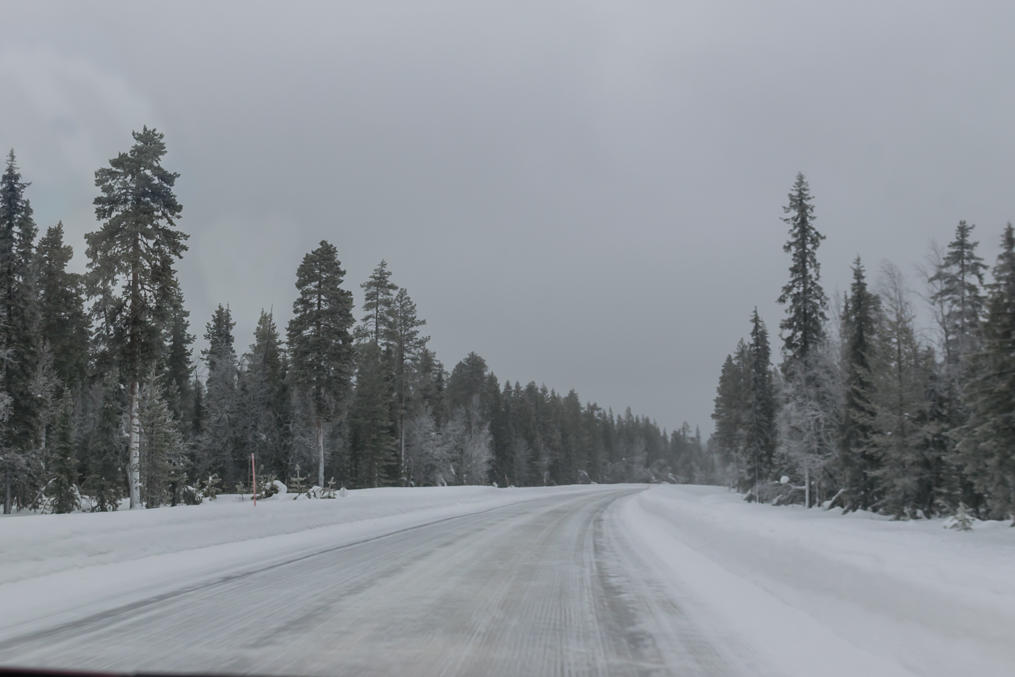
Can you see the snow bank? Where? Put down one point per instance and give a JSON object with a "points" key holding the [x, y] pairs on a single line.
{"points": [[819, 592], [55, 568]]}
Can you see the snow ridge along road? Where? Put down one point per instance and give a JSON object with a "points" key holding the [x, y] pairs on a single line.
{"points": [[533, 587]]}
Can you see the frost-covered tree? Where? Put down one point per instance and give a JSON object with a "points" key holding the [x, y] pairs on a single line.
{"points": [[901, 382], [422, 461], [958, 284], [320, 340], [809, 391], [130, 269], [808, 422], [163, 464]]}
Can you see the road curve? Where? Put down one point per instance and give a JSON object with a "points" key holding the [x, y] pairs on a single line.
{"points": [[543, 587]]}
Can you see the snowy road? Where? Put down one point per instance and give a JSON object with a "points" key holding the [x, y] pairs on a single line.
{"points": [[546, 586]]}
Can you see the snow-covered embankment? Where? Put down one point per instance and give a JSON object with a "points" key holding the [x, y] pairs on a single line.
{"points": [[57, 568], [816, 592]]}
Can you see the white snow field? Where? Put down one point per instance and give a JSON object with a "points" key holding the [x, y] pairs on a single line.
{"points": [[475, 581]]}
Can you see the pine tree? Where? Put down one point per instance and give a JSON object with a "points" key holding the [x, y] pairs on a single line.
{"points": [[19, 340], [219, 452], [804, 325], [407, 345], [63, 487], [131, 267], [320, 343], [378, 307], [988, 440], [861, 318]]}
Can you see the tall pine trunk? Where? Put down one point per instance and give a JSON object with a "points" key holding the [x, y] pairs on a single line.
{"points": [[320, 453], [134, 464]]}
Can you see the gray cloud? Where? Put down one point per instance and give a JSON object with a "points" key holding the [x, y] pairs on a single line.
{"points": [[588, 194]]}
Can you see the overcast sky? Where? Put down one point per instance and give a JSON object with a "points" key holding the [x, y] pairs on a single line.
{"points": [[587, 194]]}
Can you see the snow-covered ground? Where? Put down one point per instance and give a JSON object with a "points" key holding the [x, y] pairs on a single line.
{"points": [[585, 579], [816, 592], [55, 568]]}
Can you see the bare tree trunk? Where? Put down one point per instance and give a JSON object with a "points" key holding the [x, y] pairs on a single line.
{"points": [[320, 453], [134, 464], [807, 485]]}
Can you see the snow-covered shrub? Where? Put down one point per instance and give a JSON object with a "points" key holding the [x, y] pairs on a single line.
{"points": [[191, 496], [211, 487], [962, 520]]}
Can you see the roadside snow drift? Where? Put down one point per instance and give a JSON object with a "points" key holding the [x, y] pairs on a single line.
{"points": [[56, 568], [816, 592]]}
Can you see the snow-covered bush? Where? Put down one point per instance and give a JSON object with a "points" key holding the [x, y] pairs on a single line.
{"points": [[962, 520]]}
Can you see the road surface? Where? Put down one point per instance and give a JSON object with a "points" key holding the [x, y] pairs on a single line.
{"points": [[544, 587]]}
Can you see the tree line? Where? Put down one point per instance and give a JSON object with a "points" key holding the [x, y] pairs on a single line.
{"points": [[864, 412], [100, 401]]}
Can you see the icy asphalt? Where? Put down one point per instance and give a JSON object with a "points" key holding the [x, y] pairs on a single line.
{"points": [[550, 586]]}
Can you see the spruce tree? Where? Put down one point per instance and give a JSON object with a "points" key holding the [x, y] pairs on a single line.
{"points": [[804, 325], [267, 401], [131, 272], [861, 318], [63, 489], [177, 368], [760, 431], [63, 321], [106, 448], [808, 409], [320, 342], [373, 449], [219, 448], [729, 414], [988, 439], [19, 340]]}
